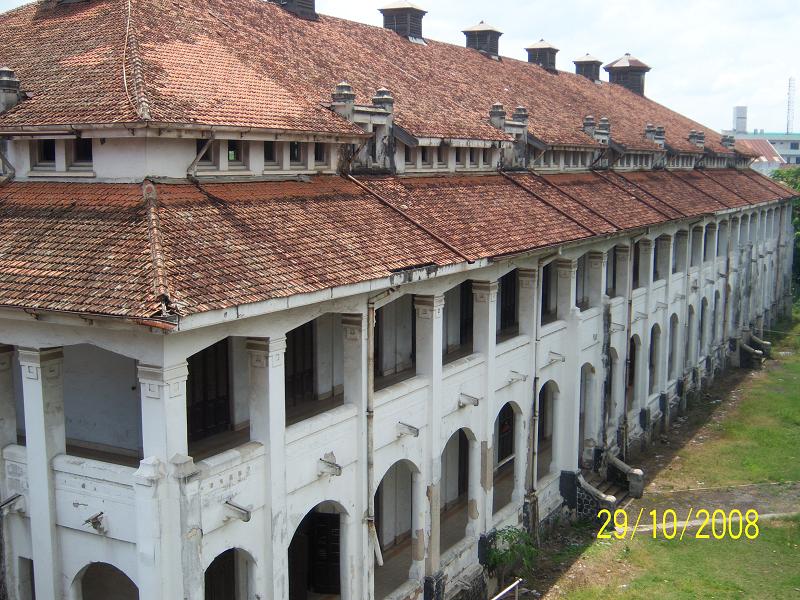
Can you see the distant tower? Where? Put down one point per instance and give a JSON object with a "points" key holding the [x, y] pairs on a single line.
{"points": [[739, 119], [790, 107]]}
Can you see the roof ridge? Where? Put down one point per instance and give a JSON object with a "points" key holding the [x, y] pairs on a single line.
{"points": [[649, 193], [598, 173], [160, 281], [140, 102], [411, 219], [548, 203], [694, 187]]}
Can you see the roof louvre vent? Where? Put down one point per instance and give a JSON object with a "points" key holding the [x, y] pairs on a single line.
{"points": [[404, 18], [543, 54], [304, 9], [588, 66], [628, 72], [484, 38]]}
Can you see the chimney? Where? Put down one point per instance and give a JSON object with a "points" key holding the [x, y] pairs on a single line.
{"points": [[543, 54], [602, 132], [589, 125], [628, 72], [661, 136], [521, 115], [728, 141], [10, 94], [304, 9], [383, 99], [497, 116], [655, 134], [484, 38], [343, 100], [698, 138], [588, 66], [404, 18]]}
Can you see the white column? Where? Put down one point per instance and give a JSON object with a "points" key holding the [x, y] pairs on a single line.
{"points": [[278, 533], [645, 263], [429, 315], [566, 271], [484, 341], [527, 326], [358, 553], [566, 417], [8, 410], [42, 388], [160, 521]]}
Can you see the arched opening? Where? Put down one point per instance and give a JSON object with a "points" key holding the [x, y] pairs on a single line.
{"points": [[455, 486], [101, 581], [632, 381], [394, 523], [691, 334], [548, 395], [654, 370], [505, 436], [314, 554], [230, 576], [584, 448], [673, 346]]}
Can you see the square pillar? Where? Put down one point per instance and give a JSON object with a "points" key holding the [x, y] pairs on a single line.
{"points": [[485, 341], [596, 263], [566, 273], [42, 388], [8, 409], [277, 534], [664, 257], [645, 263], [159, 503], [622, 256], [429, 315]]}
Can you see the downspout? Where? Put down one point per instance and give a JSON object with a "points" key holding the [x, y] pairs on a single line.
{"points": [[373, 533]]}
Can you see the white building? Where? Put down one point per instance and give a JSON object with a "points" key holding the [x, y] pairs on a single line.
{"points": [[263, 330]]}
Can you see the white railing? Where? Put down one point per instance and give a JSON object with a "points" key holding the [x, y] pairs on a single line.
{"points": [[506, 593]]}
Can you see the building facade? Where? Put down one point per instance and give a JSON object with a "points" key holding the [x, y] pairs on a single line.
{"points": [[298, 322]]}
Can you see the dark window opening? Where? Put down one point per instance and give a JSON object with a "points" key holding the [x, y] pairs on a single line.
{"points": [[611, 273], [314, 557], [487, 157], [207, 157], [46, 153], [82, 151], [409, 155], [473, 157], [636, 258], [508, 324], [320, 153], [395, 343], [505, 433], [235, 152], [270, 155], [295, 153], [549, 293], [208, 399], [466, 321]]}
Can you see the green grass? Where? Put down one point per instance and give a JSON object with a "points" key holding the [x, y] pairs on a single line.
{"points": [[760, 440], [763, 568]]}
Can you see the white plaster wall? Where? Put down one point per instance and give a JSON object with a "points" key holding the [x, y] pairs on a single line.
{"points": [[395, 503], [101, 398], [240, 381]]}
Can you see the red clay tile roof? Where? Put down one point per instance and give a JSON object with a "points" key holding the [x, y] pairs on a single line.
{"points": [[105, 249], [761, 150], [484, 216], [702, 182], [251, 63]]}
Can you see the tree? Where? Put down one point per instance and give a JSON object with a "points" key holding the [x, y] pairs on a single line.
{"points": [[791, 177]]}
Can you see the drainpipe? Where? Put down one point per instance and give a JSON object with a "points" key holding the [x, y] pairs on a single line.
{"points": [[373, 533]]}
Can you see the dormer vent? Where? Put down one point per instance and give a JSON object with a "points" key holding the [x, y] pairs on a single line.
{"points": [[589, 125], [404, 18], [661, 136], [588, 66], [520, 115], [343, 93], [383, 99], [655, 134], [484, 38], [497, 115], [728, 141], [628, 72], [543, 54], [305, 9], [602, 132], [698, 138], [10, 94]]}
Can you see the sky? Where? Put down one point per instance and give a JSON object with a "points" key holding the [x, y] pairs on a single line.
{"points": [[707, 56]]}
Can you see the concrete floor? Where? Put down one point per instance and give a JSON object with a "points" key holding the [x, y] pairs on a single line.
{"points": [[453, 526], [395, 569], [503, 487]]}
